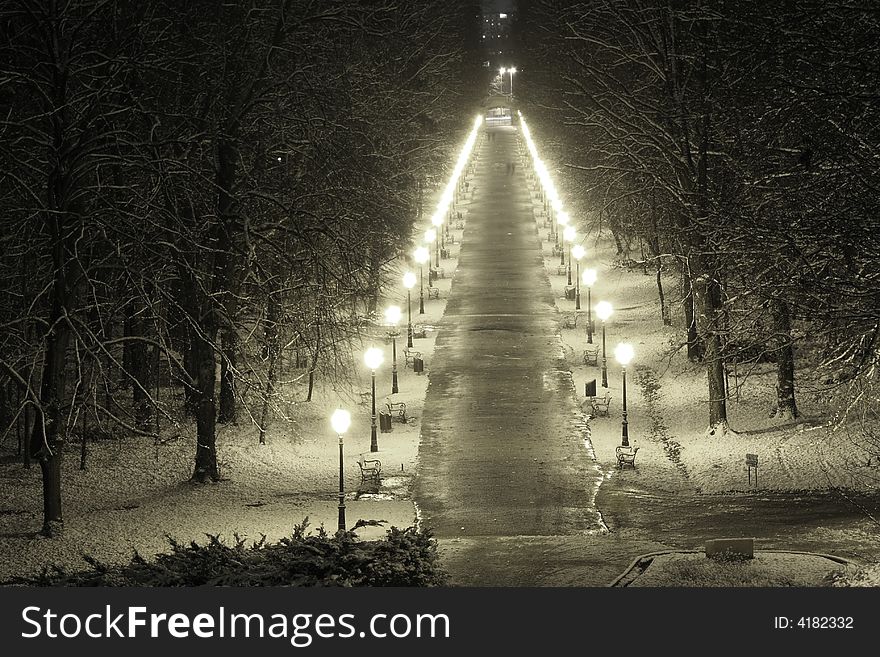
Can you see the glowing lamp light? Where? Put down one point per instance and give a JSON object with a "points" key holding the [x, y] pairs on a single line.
{"points": [[421, 255], [373, 358], [437, 220], [430, 235], [409, 279], [340, 420], [569, 233], [563, 218], [578, 251], [588, 277], [624, 353], [392, 315], [604, 310]]}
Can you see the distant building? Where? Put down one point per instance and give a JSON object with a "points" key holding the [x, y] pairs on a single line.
{"points": [[496, 36]]}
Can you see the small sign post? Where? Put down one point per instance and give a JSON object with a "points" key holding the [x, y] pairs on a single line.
{"points": [[752, 462]]}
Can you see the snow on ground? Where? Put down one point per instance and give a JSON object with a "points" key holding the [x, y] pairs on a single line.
{"points": [[133, 494], [667, 397]]}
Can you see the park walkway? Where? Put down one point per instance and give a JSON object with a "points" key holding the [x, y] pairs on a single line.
{"points": [[502, 451]]}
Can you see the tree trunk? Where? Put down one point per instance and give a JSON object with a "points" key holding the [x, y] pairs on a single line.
{"points": [[189, 347], [786, 408], [694, 345], [47, 440], [707, 294], [315, 354], [273, 312], [140, 368], [228, 404], [206, 414], [654, 246]]}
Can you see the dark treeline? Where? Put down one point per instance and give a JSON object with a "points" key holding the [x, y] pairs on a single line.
{"points": [[734, 144], [202, 195]]}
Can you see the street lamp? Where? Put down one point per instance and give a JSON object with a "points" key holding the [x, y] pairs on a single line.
{"points": [[578, 252], [373, 357], [511, 71], [624, 354], [604, 310], [409, 279], [568, 236], [421, 256], [341, 420], [392, 316], [561, 220], [589, 277], [437, 221], [431, 236]]}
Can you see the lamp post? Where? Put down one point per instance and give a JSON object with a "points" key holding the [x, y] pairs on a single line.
{"points": [[562, 220], [589, 277], [373, 358], [624, 354], [568, 235], [341, 420], [421, 256], [392, 316], [437, 221], [511, 71], [604, 310], [431, 236], [409, 279], [578, 252]]}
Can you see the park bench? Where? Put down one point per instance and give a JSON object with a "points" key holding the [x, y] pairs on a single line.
{"points": [[410, 355], [561, 270], [626, 455], [600, 404], [557, 251], [366, 398], [397, 408], [438, 272], [433, 293], [371, 470], [569, 320], [591, 354]]}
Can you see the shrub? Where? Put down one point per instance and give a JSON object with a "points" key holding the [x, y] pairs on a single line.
{"points": [[405, 557]]}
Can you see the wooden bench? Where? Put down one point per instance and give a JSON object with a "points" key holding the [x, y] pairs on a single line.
{"points": [[626, 455], [419, 332], [591, 354], [433, 292], [569, 321], [438, 272], [371, 470], [410, 355], [366, 398], [600, 404], [561, 270], [397, 408]]}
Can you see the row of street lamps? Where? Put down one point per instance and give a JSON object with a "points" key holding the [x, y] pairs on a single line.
{"points": [[340, 420], [624, 352]]}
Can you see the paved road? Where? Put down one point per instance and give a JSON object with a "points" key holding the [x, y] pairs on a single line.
{"points": [[502, 451]]}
